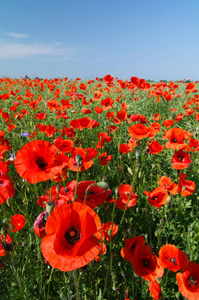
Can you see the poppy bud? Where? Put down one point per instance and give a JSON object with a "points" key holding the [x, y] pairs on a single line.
{"points": [[103, 185], [78, 159], [49, 207]]}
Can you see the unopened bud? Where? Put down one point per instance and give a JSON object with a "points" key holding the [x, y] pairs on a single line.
{"points": [[103, 185], [49, 207]]}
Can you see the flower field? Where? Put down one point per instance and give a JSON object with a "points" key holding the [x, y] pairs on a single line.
{"points": [[98, 189]]}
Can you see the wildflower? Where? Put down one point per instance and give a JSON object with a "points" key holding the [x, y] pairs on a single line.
{"points": [[188, 281], [70, 243], [37, 161], [172, 258]]}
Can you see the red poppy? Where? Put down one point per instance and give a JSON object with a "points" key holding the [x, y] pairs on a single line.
{"points": [[108, 230], [107, 103], [80, 160], [124, 148], [155, 147], [80, 123], [70, 243], [127, 198], [186, 187], [41, 116], [98, 109], [68, 131], [131, 247], [145, 264], [53, 104], [86, 111], [5, 243], [108, 79], [169, 185], [103, 138], [104, 159], [37, 161], [158, 196], [176, 138], [7, 190], [139, 131], [95, 195], [155, 290], [188, 281], [156, 117], [168, 123], [172, 258], [63, 145], [17, 222], [3, 168], [181, 160]]}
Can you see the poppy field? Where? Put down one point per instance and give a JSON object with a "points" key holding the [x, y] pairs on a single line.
{"points": [[98, 189]]}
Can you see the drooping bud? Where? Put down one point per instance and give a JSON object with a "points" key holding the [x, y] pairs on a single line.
{"points": [[102, 184]]}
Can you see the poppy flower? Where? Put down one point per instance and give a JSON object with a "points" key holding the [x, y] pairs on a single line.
{"points": [[126, 196], [131, 247], [181, 160], [168, 123], [139, 131], [145, 264], [155, 147], [80, 123], [53, 104], [41, 116], [167, 183], [188, 281], [176, 138], [7, 190], [157, 197], [108, 230], [103, 138], [98, 109], [156, 117], [172, 258], [108, 79], [124, 148], [17, 222], [68, 131], [5, 242], [95, 195], [63, 145], [70, 241], [107, 103], [155, 290], [186, 187], [37, 161], [80, 160], [104, 159], [3, 168]]}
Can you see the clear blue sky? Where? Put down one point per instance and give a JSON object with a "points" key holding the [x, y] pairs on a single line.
{"points": [[74, 38]]}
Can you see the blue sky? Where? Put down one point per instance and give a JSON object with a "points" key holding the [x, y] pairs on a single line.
{"points": [[87, 39]]}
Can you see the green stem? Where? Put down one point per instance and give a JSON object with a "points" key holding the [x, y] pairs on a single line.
{"points": [[49, 283]]}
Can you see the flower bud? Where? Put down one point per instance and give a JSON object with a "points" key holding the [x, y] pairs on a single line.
{"points": [[103, 185]]}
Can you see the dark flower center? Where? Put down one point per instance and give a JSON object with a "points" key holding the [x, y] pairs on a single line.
{"points": [[174, 140], [90, 193], [133, 247], [145, 262], [41, 163], [192, 281], [173, 260], [72, 235], [154, 198]]}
